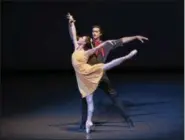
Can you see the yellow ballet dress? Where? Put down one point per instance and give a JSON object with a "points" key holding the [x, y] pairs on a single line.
{"points": [[88, 76]]}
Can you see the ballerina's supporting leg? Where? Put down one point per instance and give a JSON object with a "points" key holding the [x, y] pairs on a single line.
{"points": [[90, 109], [118, 61]]}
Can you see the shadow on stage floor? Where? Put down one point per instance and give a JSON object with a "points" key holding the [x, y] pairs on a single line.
{"points": [[47, 107]]}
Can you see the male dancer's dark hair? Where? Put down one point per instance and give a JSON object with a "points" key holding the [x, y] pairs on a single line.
{"points": [[99, 27]]}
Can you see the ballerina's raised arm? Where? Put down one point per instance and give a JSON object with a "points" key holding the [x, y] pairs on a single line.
{"points": [[72, 30]]}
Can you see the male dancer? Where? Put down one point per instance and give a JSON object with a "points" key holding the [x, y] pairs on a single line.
{"points": [[105, 84]]}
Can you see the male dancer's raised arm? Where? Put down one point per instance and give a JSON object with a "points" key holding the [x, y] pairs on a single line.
{"points": [[104, 52], [124, 40], [116, 43]]}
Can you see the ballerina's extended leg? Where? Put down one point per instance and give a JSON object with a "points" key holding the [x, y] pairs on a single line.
{"points": [[118, 61]]}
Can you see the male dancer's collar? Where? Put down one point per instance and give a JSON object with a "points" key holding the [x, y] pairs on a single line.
{"points": [[96, 42]]}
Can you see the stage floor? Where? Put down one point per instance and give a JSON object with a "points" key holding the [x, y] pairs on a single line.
{"points": [[47, 106]]}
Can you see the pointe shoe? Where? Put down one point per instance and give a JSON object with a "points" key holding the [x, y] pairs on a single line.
{"points": [[131, 54], [88, 127]]}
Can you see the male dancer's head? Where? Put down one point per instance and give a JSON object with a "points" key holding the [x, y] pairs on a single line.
{"points": [[96, 36], [96, 32]]}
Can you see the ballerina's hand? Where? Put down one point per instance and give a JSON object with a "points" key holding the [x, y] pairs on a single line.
{"points": [[70, 17], [141, 38]]}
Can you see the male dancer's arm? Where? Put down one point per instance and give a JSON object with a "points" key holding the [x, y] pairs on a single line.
{"points": [[120, 42], [124, 40]]}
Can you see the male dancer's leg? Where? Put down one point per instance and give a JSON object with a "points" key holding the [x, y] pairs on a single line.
{"points": [[106, 86]]}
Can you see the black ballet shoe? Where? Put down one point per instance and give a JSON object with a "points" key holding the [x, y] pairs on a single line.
{"points": [[130, 123], [82, 127]]}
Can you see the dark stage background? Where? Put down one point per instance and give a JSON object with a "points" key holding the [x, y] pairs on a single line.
{"points": [[35, 34], [40, 95]]}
